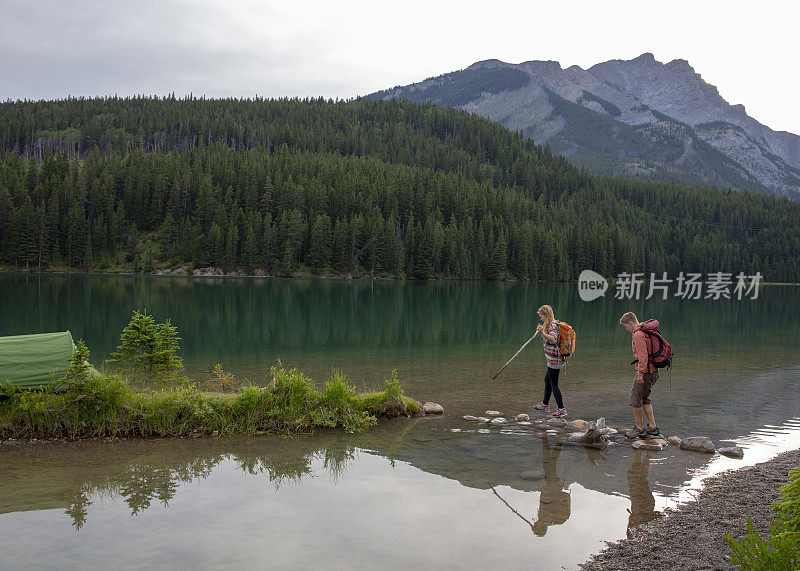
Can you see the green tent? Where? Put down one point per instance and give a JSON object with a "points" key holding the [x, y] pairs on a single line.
{"points": [[34, 361]]}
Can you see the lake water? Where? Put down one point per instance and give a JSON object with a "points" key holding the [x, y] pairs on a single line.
{"points": [[425, 492]]}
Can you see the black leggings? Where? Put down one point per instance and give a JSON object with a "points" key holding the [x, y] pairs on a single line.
{"points": [[551, 386]]}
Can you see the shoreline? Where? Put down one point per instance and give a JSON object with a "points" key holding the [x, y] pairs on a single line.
{"points": [[182, 272], [692, 535]]}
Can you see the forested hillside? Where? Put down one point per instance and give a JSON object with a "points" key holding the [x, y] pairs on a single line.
{"points": [[350, 187]]}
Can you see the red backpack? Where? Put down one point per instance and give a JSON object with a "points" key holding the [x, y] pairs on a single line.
{"points": [[661, 352]]}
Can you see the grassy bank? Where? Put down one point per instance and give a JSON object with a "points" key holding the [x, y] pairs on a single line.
{"points": [[108, 405]]}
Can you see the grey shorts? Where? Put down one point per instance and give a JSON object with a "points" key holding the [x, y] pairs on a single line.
{"points": [[640, 392]]}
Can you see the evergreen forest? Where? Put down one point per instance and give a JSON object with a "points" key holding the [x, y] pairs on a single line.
{"points": [[358, 187]]}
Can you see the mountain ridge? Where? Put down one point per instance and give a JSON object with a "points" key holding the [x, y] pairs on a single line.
{"points": [[652, 120]]}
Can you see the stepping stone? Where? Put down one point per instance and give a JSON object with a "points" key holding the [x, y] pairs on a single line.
{"points": [[522, 417], [483, 431], [698, 444], [499, 420], [557, 422], [675, 440], [482, 420], [492, 413], [732, 451], [643, 445], [524, 423], [469, 417]]}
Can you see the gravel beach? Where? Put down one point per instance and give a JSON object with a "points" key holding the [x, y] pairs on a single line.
{"points": [[693, 535]]}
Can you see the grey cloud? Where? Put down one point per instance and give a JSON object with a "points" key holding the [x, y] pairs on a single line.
{"points": [[54, 50]]}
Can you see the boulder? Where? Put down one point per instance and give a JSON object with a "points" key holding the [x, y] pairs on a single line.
{"points": [[531, 475], [732, 451], [556, 423], [698, 444], [522, 417], [432, 408], [469, 417], [492, 413], [674, 440], [577, 426], [499, 420]]}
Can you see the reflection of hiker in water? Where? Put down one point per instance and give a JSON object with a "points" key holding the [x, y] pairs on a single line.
{"points": [[554, 501], [642, 501]]}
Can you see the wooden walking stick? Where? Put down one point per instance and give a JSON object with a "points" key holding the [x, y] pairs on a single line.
{"points": [[515, 356]]}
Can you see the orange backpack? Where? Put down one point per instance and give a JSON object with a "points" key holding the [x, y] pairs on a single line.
{"points": [[566, 339]]}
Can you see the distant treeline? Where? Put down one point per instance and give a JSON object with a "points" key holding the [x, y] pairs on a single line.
{"points": [[350, 187]]}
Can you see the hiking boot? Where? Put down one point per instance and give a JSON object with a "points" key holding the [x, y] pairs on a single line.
{"points": [[542, 406], [560, 412], [636, 433], [652, 432]]}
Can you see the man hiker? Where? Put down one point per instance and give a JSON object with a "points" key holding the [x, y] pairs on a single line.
{"points": [[646, 377]]}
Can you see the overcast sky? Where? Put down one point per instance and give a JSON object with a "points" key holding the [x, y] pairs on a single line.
{"points": [[344, 48]]}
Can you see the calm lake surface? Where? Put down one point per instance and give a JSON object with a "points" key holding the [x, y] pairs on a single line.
{"points": [[428, 491]]}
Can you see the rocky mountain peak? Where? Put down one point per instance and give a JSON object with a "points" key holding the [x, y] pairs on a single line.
{"points": [[637, 117]]}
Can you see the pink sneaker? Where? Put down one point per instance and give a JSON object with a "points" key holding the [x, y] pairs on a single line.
{"points": [[559, 412], [542, 406]]}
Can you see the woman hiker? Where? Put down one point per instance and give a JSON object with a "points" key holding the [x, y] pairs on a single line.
{"points": [[549, 331]]}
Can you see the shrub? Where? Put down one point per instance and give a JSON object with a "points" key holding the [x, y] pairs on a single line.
{"points": [[220, 381]]}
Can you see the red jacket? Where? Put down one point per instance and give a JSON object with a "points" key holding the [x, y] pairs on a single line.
{"points": [[642, 347]]}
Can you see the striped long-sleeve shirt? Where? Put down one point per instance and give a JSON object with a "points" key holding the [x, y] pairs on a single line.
{"points": [[551, 352]]}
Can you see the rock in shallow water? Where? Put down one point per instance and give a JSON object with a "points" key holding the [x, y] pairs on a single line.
{"points": [[482, 420], [532, 475], [557, 422], [469, 417], [499, 420], [698, 444], [732, 451], [674, 440], [432, 408], [576, 426], [522, 417], [524, 423], [492, 413]]}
